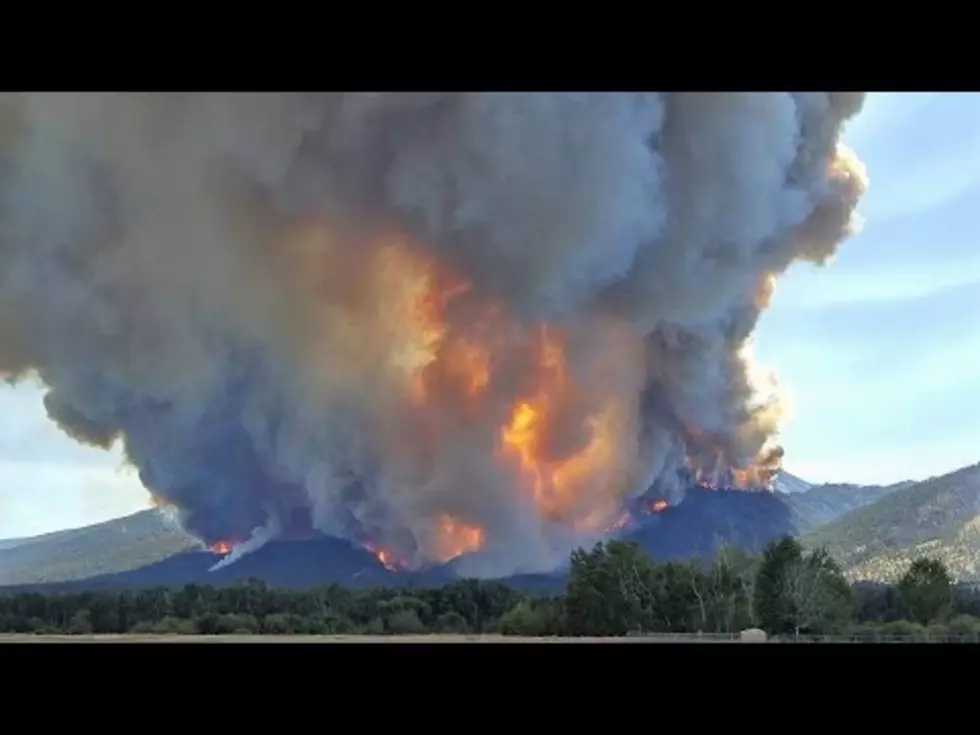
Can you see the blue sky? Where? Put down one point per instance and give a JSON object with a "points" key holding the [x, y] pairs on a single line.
{"points": [[879, 350]]}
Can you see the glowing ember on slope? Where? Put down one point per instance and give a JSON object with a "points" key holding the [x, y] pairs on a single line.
{"points": [[712, 468], [753, 477], [459, 361], [223, 548], [387, 558], [659, 506]]}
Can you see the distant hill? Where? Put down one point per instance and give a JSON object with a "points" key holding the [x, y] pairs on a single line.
{"points": [[787, 483], [816, 505], [749, 520], [145, 548], [705, 518], [690, 529], [320, 561], [9, 543], [105, 548], [823, 504], [937, 517]]}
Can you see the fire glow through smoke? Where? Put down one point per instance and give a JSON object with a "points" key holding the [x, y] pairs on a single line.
{"points": [[387, 558], [436, 325], [221, 547], [554, 441]]}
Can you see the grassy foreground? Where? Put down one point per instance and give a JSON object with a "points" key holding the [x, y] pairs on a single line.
{"points": [[434, 638]]}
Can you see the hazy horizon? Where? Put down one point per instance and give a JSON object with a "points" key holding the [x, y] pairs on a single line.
{"points": [[874, 349]]}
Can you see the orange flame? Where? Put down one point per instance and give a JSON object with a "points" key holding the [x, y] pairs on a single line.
{"points": [[455, 538], [387, 558], [558, 484], [712, 470], [659, 506], [753, 477], [455, 369], [457, 361], [443, 358], [222, 548], [745, 478]]}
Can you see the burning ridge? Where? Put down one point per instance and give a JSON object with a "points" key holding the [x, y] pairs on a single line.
{"points": [[432, 324]]}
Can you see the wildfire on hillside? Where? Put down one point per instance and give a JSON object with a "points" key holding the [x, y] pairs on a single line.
{"points": [[358, 315], [560, 484], [455, 538], [753, 477], [712, 471], [222, 548], [387, 558], [658, 506], [555, 439], [552, 418]]}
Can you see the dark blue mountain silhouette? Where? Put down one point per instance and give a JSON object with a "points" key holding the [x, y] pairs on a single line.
{"points": [[693, 528]]}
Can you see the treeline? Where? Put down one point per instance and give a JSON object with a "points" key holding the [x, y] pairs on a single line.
{"points": [[613, 589]]}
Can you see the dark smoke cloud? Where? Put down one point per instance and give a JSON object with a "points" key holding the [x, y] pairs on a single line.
{"points": [[216, 280]]}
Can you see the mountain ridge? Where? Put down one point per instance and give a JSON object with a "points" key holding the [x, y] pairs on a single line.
{"points": [[146, 538], [789, 483], [116, 545], [937, 517]]}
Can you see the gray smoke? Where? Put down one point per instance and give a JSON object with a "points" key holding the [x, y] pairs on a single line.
{"points": [[326, 309]]}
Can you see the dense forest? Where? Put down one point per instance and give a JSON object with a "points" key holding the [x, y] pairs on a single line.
{"points": [[612, 590]]}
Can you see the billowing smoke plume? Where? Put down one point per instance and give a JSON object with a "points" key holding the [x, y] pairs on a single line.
{"points": [[432, 323]]}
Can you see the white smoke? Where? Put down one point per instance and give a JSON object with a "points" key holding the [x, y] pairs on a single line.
{"points": [[258, 538]]}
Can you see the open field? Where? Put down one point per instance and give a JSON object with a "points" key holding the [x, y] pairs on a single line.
{"points": [[28, 638], [437, 638]]}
